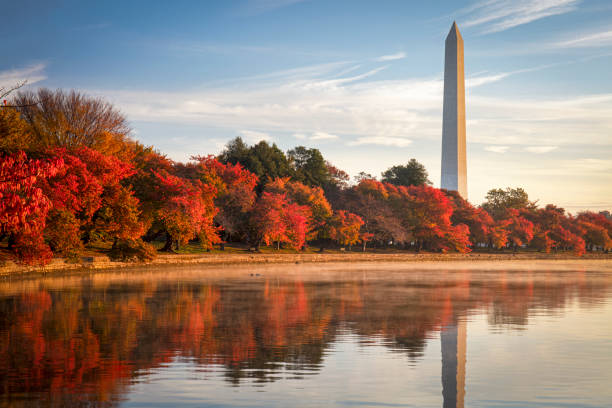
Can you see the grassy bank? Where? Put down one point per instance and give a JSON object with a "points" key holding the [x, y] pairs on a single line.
{"points": [[96, 258]]}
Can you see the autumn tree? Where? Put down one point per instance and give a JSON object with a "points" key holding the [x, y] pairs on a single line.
{"points": [[24, 206], [235, 195], [369, 199], [312, 198], [72, 120], [479, 222], [429, 217], [597, 230], [89, 202], [338, 182], [520, 229], [15, 134], [275, 219], [118, 214], [187, 210], [345, 228], [145, 183], [552, 230]]}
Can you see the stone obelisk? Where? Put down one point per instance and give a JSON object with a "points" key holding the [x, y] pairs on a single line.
{"points": [[454, 167], [453, 340]]}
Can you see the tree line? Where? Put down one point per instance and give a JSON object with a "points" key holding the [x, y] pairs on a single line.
{"points": [[71, 176]]}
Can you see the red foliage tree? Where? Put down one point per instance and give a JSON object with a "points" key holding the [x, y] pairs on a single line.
{"points": [[275, 219], [597, 230], [370, 200], [319, 209], [553, 230], [430, 219], [187, 210], [520, 230], [235, 187], [24, 206], [479, 222], [88, 198]]}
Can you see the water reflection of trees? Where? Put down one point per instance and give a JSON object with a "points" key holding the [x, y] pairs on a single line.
{"points": [[83, 344]]}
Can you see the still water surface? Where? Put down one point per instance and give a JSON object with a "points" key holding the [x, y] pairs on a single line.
{"points": [[342, 335]]}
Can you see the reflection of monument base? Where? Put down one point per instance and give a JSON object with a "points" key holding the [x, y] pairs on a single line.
{"points": [[453, 339]]}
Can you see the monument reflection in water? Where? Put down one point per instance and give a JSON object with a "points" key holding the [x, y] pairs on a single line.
{"points": [[192, 338]]}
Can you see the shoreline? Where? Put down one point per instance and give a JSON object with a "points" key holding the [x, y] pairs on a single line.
{"points": [[95, 263]]}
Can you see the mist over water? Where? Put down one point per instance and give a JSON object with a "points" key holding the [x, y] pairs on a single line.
{"points": [[471, 334]]}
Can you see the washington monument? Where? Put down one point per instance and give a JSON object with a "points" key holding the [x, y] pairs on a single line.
{"points": [[454, 168]]}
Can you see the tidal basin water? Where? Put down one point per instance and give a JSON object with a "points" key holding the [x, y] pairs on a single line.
{"points": [[365, 335]]}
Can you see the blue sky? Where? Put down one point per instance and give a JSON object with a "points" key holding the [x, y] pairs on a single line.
{"points": [[360, 80]]}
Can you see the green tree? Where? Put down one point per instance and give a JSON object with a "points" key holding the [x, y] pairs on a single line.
{"points": [[310, 166], [267, 162], [236, 151], [412, 174], [499, 200]]}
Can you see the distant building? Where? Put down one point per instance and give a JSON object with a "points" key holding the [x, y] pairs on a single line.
{"points": [[454, 165]]}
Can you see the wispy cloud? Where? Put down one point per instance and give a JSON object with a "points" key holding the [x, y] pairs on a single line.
{"points": [[316, 136], [31, 74], [540, 149], [499, 15], [391, 57], [362, 110], [497, 149], [323, 136], [599, 39]]}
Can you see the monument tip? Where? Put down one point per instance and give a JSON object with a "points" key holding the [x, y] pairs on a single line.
{"points": [[454, 30]]}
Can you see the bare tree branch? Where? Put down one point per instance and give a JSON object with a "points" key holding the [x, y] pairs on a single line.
{"points": [[4, 92]]}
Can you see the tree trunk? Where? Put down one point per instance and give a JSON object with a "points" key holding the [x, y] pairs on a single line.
{"points": [[168, 245], [11, 241], [152, 237]]}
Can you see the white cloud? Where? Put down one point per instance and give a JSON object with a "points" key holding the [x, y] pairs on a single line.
{"points": [[381, 140], [599, 39], [31, 74], [497, 149], [486, 79], [388, 112], [540, 149], [323, 136], [252, 136], [392, 57], [499, 15]]}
